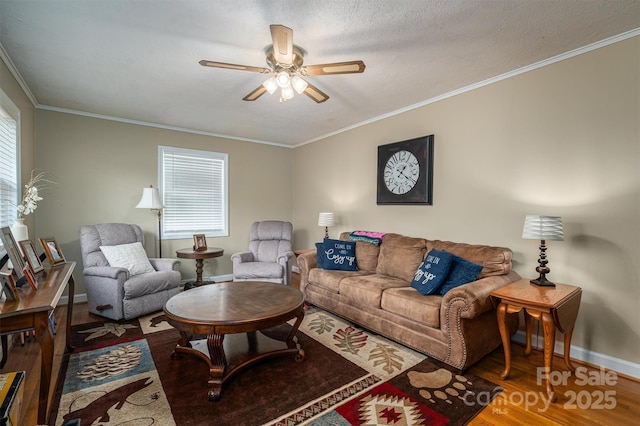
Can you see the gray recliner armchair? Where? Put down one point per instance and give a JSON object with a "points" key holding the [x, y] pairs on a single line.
{"points": [[269, 257], [114, 292]]}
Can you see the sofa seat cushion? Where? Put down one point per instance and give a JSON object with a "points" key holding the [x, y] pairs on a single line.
{"points": [[367, 289], [153, 282], [400, 256], [329, 279], [409, 303]]}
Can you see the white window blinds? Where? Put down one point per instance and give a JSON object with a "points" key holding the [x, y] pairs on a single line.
{"points": [[194, 189], [8, 168]]}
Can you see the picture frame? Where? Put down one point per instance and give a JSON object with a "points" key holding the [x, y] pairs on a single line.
{"points": [[405, 172], [31, 256], [31, 277], [8, 287], [52, 251], [199, 242], [12, 249]]}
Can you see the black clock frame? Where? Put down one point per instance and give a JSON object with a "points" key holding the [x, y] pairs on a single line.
{"points": [[422, 192]]}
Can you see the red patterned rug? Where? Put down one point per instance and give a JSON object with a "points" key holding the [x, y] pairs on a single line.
{"points": [[122, 373]]}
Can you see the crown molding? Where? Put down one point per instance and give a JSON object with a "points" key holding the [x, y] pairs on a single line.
{"points": [[14, 72], [540, 64]]}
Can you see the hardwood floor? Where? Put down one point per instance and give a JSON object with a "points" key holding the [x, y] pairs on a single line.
{"points": [[523, 401]]}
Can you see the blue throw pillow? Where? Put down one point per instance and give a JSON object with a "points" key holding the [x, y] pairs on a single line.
{"points": [[339, 255], [432, 272], [462, 272], [320, 255]]}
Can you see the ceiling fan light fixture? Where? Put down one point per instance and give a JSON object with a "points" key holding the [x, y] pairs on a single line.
{"points": [[299, 84], [283, 79], [287, 70], [271, 85]]}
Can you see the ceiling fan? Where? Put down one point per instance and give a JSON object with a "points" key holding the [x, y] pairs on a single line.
{"points": [[286, 69]]}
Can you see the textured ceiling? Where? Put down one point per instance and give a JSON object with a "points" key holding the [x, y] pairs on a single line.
{"points": [[138, 60]]}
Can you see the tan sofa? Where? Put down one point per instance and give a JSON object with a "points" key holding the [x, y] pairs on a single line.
{"points": [[458, 328]]}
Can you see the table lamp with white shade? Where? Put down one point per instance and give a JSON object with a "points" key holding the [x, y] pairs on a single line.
{"points": [[543, 228], [326, 219]]}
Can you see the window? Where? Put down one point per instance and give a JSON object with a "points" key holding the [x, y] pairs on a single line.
{"points": [[194, 187], [9, 164]]}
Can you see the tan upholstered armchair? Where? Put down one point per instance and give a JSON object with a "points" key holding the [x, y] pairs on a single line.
{"points": [[126, 284], [270, 254]]}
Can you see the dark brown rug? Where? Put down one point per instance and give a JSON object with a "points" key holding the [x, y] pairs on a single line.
{"points": [[122, 373]]}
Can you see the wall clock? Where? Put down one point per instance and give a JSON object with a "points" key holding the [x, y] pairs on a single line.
{"points": [[405, 172]]}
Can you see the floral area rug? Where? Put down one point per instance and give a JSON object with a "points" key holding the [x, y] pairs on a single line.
{"points": [[122, 373]]}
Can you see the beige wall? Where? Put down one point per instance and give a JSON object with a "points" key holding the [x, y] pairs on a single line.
{"points": [[14, 92], [560, 140], [101, 167]]}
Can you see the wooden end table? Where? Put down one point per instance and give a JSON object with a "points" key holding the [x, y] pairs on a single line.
{"points": [[555, 306], [231, 314], [199, 256]]}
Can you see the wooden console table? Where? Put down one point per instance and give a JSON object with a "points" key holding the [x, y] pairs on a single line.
{"points": [[32, 312], [553, 306]]}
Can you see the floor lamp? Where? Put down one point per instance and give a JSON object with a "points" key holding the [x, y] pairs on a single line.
{"points": [[151, 200]]}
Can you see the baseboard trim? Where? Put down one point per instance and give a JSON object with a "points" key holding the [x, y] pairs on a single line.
{"points": [[622, 366]]}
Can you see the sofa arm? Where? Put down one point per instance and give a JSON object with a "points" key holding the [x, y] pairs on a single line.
{"points": [[306, 262], [107, 272], [475, 296], [165, 264], [241, 257]]}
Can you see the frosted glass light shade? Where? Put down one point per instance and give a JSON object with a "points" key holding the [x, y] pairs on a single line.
{"points": [[543, 228], [270, 85], [299, 84], [283, 79], [287, 93], [150, 199]]}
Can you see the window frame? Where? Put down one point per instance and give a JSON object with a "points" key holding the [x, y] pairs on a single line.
{"points": [[207, 157], [7, 105]]}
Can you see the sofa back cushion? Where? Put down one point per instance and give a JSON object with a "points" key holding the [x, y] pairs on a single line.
{"points": [[366, 254], [494, 260], [401, 256]]}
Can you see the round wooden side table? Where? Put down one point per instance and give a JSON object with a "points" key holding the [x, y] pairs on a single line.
{"points": [[199, 256]]}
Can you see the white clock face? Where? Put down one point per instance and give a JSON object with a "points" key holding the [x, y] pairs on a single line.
{"points": [[401, 172]]}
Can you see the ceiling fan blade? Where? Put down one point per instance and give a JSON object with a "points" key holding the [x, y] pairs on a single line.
{"points": [[255, 94], [316, 94], [282, 44], [351, 67], [261, 70]]}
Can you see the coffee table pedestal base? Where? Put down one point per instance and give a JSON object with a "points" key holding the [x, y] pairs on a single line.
{"points": [[228, 354]]}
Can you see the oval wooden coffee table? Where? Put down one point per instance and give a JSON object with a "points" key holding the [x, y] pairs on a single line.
{"points": [[224, 312]]}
